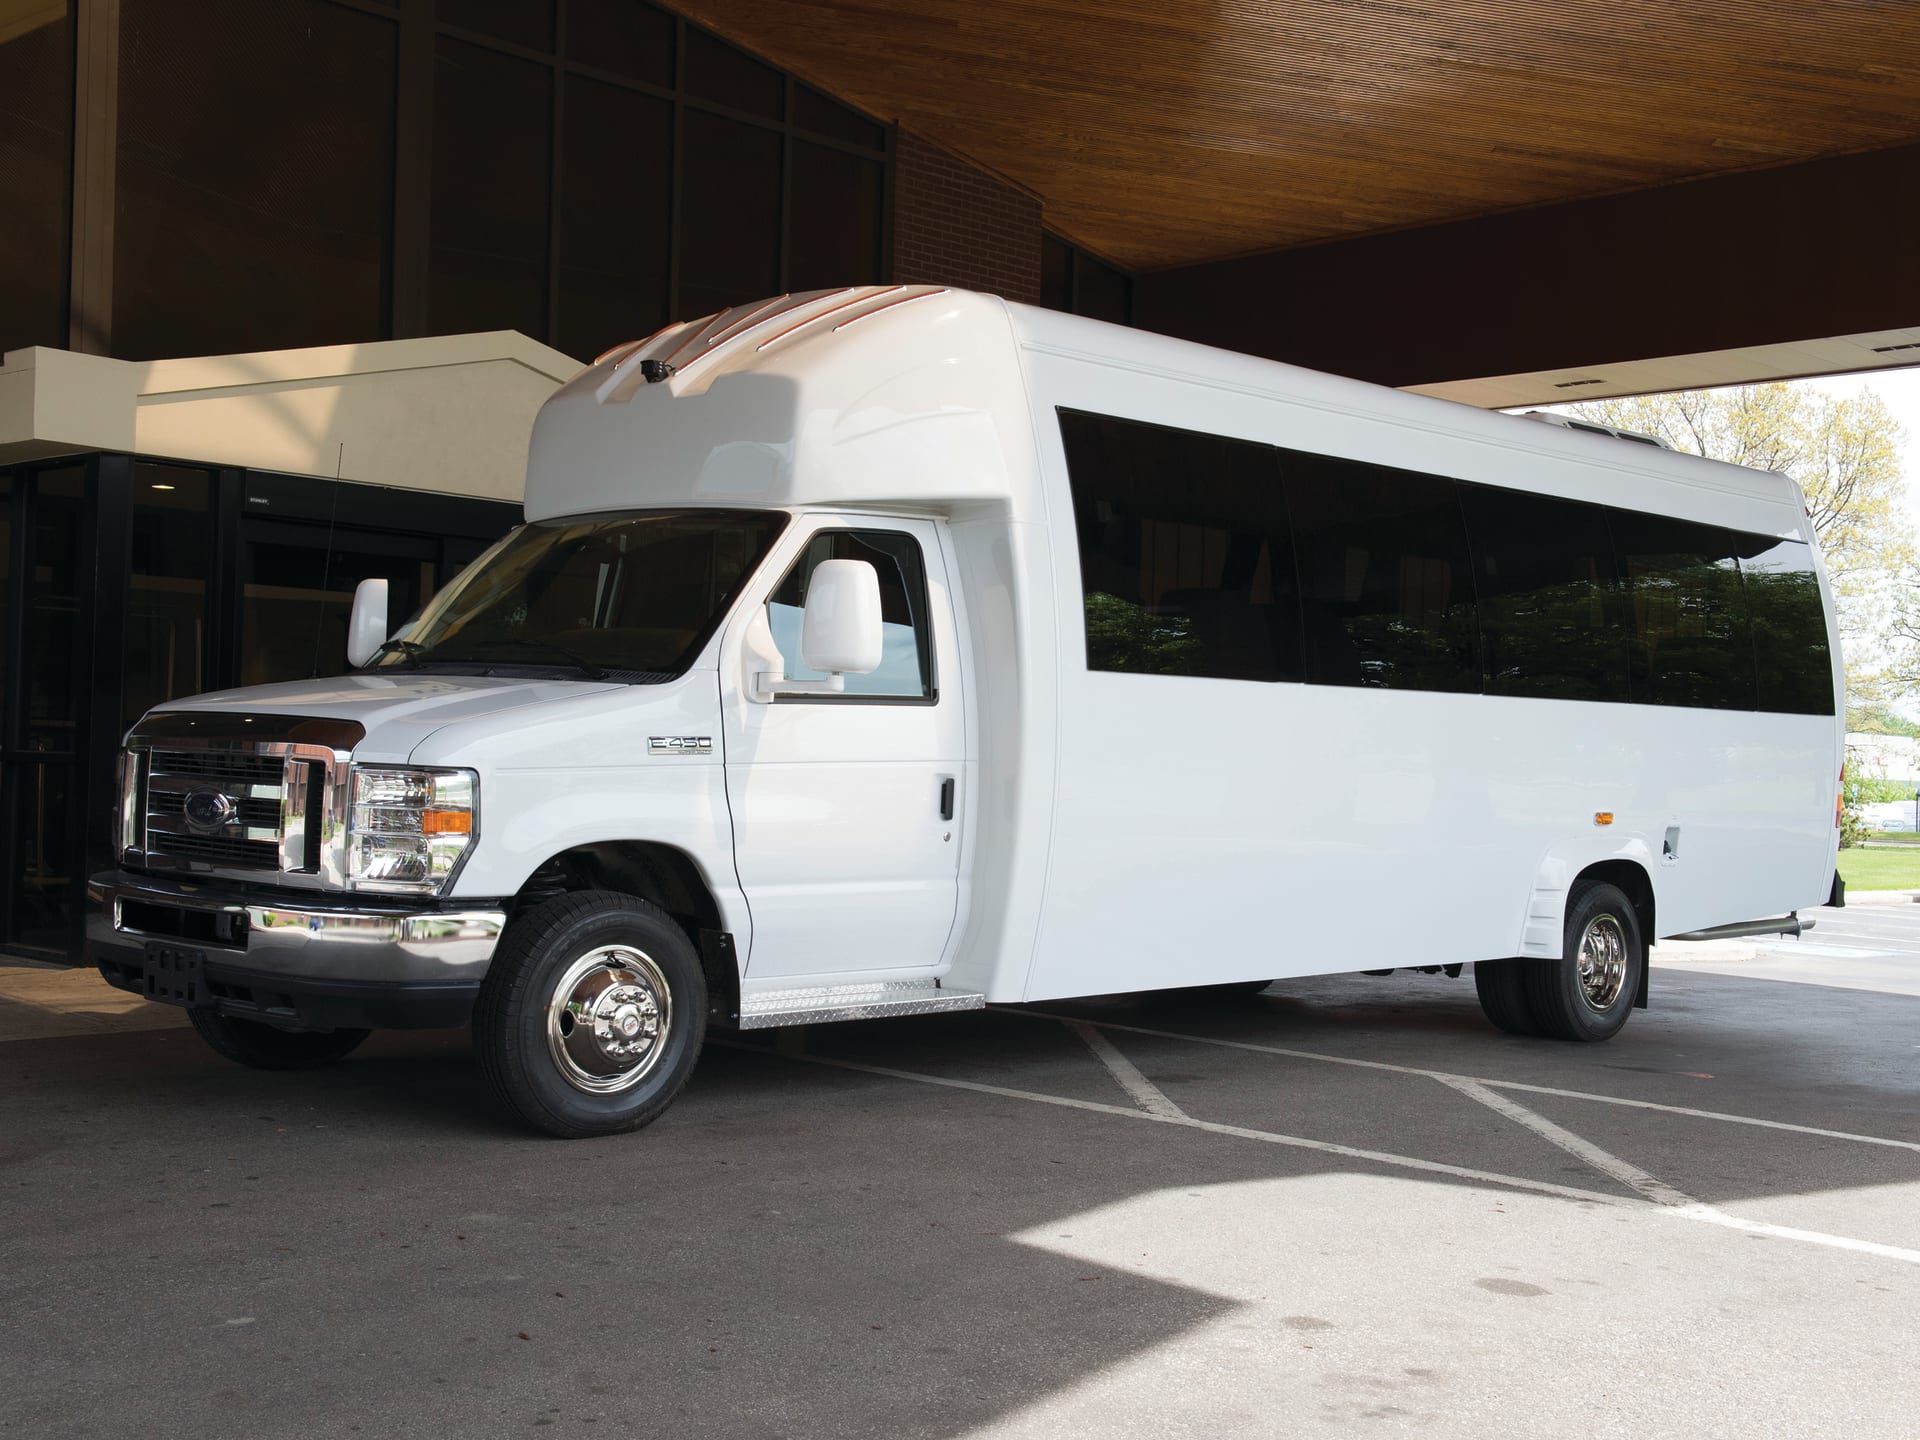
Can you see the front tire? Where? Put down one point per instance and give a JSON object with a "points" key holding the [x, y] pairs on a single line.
{"points": [[591, 1016], [264, 1047]]}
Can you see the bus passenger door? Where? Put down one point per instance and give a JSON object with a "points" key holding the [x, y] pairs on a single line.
{"points": [[846, 808]]}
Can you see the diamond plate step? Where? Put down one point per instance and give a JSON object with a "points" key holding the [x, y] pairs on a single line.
{"points": [[818, 1004]]}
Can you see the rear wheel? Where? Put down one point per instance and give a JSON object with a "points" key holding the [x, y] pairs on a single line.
{"points": [[1589, 992], [248, 1042], [1502, 987], [592, 1014]]}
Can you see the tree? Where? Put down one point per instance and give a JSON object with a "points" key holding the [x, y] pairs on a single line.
{"points": [[1845, 454]]}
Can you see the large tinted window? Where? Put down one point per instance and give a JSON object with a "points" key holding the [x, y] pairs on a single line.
{"points": [[1795, 667], [1404, 580], [1385, 590], [1552, 618], [1690, 643], [1184, 552]]}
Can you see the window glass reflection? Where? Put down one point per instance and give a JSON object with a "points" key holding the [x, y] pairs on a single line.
{"points": [[166, 637]]}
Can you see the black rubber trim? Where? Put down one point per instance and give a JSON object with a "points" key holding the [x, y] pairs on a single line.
{"points": [[299, 1002]]}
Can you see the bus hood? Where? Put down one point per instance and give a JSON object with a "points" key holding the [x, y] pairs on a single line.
{"points": [[398, 712]]}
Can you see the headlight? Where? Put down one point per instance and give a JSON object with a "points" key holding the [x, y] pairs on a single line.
{"points": [[408, 829]]}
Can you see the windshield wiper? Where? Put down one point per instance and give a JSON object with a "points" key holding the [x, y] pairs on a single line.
{"points": [[584, 666], [405, 647]]}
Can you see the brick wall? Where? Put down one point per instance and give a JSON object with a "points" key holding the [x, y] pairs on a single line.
{"points": [[957, 224]]}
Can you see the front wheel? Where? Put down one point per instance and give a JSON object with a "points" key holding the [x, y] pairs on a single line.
{"points": [[592, 1014]]}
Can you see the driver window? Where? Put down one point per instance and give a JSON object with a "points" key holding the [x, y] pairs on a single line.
{"points": [[906, 661]]}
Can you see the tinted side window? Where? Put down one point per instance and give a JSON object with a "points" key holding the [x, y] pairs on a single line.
{"points": [[1184, 551], [1795, 667], [906, 655], [1385, 589], [1690, 640], [1552, 619]]}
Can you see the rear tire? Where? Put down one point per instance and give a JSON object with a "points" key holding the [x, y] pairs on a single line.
{"points": [[1588, 993], [1502, 987], [263, 1047], [591, 1016]]}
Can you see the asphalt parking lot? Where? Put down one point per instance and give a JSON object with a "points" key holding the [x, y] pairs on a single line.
{"points": [[1345, 1205]]}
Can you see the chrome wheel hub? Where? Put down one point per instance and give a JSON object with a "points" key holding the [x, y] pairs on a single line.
{"points": [[1602, 961], [608, 1018]]}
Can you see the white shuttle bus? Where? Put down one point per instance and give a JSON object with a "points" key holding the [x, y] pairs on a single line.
{"points": [[895, 650]]}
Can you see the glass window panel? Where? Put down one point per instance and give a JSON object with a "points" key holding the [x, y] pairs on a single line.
{"points": [[1103, 290], [6, 588], [1691, 641], [1056, 273], [906, 653], [834, 224], [1185, 560], [730, 236], [522, 22], [1552, 621], [492, 159], [622, 36], [615, 198], [36, 138], [1790, 651], [255, 184], [718, 72], [1386, 591], [166, 637], [54, 667], [814, 111], [296, 597], [46, 879]]}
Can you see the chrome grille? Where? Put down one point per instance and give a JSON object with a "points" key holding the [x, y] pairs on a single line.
{"points": [[260, 797]]}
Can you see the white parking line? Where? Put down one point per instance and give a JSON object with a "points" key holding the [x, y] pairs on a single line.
{"points": [[1296, 1142], [1148, 1096], [1673, 1202], [1448, 1077], [1676, 1204]]}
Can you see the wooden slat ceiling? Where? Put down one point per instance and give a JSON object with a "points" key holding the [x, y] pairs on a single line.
{"points": [[1166, 132]]}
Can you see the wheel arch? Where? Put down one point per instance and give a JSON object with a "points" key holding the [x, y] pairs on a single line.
{"points": [[663, 874]]}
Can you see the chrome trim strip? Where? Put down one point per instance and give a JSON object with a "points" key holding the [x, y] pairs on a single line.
{"points": [[367, 942], [822, 1004]]}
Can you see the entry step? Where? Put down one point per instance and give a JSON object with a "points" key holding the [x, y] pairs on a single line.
{"points": [[818, 1004]]}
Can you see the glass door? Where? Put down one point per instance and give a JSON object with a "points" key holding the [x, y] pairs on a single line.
{"points": [[45, 659], [297, 591]]}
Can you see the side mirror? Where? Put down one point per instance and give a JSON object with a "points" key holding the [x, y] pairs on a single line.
{"points": [[840, 633], [840, 630], [367, 625]]}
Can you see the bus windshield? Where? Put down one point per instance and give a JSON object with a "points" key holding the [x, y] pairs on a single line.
{"points": [[629, 597]]}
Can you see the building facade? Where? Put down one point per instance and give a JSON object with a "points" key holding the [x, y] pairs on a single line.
{"points": [[283, 185]]}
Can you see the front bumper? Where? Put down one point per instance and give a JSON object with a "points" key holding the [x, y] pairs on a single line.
{"points": [[303, 962]]}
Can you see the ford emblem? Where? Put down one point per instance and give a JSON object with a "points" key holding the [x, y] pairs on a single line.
{"points": [[209, 809]]}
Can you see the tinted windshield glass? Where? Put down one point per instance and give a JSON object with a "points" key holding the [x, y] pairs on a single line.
{"points": [[627, 597]]}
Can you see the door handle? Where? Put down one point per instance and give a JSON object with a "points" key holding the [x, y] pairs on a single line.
{"points": [[946, 797]]}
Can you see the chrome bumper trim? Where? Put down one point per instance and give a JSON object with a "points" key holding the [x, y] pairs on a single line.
{"points": [[361, 941]]}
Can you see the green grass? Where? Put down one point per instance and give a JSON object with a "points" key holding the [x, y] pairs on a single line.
{"points": [[1880, 869], [1894, 837]]}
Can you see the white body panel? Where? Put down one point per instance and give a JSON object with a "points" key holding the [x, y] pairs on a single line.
{"points": [[841, 850], [1111, 831]]}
